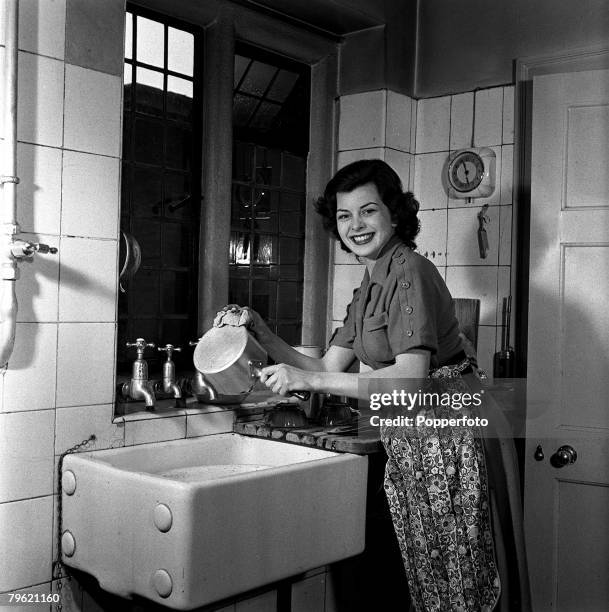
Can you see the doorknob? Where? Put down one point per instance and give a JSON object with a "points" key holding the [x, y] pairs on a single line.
{"points": [[565, 455]]}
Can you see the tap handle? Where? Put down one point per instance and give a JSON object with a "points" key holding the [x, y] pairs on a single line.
{"points": [[141, 345], [22, 248], [44, 248], [169, 349]]}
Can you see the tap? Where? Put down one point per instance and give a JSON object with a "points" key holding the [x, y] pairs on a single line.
{"points": [[199, 386], [139, 387], [169, 384]]}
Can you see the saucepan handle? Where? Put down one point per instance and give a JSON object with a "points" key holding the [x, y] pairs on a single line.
{"points": [[256, 366]]}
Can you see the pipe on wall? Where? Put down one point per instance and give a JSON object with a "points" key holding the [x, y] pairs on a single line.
{"points": [[11, 249]]}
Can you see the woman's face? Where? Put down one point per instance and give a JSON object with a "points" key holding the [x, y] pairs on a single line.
{"points": [[363, 220]]}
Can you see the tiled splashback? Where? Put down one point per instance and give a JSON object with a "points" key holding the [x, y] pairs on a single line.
{"points": [[58, 389], [416, 138]]}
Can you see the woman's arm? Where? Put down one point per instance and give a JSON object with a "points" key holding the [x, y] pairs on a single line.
{"points": [[336, 359], [282, 378]]}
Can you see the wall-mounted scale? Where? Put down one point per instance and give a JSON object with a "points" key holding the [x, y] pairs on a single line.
{"points": [[470, 174]]}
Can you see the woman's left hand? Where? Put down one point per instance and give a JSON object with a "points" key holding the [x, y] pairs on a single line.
{"points": [[282, 379]]}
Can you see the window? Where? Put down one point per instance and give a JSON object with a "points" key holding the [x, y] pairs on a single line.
{"points": [[161, 178], [271, 140]]}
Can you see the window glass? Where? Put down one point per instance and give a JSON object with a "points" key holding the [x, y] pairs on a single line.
{"points": [[150, 42], [180, 51]]}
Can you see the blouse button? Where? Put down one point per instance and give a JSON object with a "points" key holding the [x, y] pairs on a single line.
{"points": [[409, 333], [409, 309], [405, 284], [401, 260]]}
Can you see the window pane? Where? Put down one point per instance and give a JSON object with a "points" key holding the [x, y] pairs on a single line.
{"points": [[174, 290], [149, 92], [293, 172], [129, 36], [178, 201], [176, 245], [179, 98], [243, 107], [180, 51], [241, 63], [148, 235], [147, 192], [145, 293], [264, 116], [282, 85], [148, 141], [268, 166], [243, 161], [150, 41], [179, 147], [258, 78]]}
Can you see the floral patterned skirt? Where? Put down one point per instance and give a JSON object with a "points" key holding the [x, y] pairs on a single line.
{"points": [[437, 489]]}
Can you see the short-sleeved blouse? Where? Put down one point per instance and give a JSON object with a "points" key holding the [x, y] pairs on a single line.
{"points": [[404, 304]]}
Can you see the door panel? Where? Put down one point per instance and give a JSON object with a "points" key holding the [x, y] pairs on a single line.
{"points": [[568, 365]]}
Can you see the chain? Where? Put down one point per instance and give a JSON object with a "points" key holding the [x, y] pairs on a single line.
{"points": [[58, 572]]}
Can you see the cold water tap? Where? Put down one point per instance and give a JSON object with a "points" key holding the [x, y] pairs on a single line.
{"points": [[139, 387], [168, 384]]}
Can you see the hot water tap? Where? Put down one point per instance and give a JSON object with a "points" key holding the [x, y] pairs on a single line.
{"points": [[139, 387]]}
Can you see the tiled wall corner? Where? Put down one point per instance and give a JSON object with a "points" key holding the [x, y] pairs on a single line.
{"points": [[372, 125], [444, 125]]}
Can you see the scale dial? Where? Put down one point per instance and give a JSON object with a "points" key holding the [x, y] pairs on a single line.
{"points": [[471, 173]]}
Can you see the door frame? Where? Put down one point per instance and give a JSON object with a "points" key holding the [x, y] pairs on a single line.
{"points": [[573, 60]]}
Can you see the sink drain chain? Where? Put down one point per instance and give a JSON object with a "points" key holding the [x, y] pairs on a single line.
{"points": [[58, 572]]}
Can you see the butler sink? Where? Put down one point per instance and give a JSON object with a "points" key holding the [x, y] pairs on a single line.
{"points": [[189, 522]]}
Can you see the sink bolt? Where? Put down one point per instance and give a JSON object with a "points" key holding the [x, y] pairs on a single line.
{"points": [[163, 518], [68, 482], [162, 582], [68, 544]]}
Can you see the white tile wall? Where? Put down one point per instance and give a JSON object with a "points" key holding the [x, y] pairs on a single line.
{"points": [[506, 177], [489, 117], [207, 424], [505, 235], [73, 425], [26, 455], [461, 114], [346, 157], [42, 27], [155, 430], [476, 282], [362, 120], [508, 114], [92, 123], [431, 241], [402, 163], [37, 286], [90, 195], [346, 279], [88, 280], [433, 125], [39, 191], [85, 364], [463, 249], [40, 92], [398, 130], [429, 187], [29, 383], [26, 539]]}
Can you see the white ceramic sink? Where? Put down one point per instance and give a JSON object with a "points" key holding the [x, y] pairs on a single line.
{"points": [[190, 522]]}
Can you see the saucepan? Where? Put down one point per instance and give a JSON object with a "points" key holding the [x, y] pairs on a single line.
{"points": [[229, 360]]}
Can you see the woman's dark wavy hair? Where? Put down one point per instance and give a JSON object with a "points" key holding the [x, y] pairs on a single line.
{"points": [[402, 205]]}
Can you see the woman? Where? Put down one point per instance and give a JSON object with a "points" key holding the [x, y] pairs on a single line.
{"points": [[401, 325]]}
